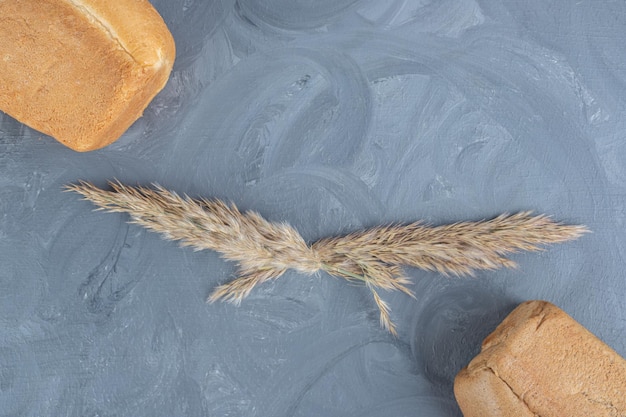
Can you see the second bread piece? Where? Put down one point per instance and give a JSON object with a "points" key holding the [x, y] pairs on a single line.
{"points": [[540, 362], [81, 71]]}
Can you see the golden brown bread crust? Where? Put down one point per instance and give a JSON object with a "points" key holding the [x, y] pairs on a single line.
{"points": [[81, 71], [540, 362]]}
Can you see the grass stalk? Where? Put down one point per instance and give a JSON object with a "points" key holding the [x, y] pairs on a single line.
{"points": [[264, 250]]}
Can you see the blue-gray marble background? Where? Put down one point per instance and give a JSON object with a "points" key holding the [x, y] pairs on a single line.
{"points": [[332, 115]]}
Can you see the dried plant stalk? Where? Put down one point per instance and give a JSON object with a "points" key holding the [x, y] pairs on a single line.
{"points": [[265, 250]]}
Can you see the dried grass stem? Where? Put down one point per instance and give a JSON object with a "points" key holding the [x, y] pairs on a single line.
{"points": [[264, 250]]}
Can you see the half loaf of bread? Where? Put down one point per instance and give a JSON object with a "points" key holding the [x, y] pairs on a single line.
{"points": [[81, 71], [540, 362]]}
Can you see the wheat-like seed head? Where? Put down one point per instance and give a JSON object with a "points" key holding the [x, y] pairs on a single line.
{"points": [[264, 250]]}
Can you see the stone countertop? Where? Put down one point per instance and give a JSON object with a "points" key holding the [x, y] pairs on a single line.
{"points": [[332, 116]]}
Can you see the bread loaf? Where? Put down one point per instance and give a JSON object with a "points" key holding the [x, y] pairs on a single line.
{"points": [[540, 362], [81, 71]]}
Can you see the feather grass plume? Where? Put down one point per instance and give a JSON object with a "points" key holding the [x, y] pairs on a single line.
{"points": [[264, 250]]}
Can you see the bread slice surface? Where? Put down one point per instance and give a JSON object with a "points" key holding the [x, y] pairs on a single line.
{"points": [[81, 71], [540, 362]]}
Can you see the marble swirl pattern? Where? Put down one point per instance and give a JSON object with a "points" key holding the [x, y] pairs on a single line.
{"points": [[332, 115]]}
